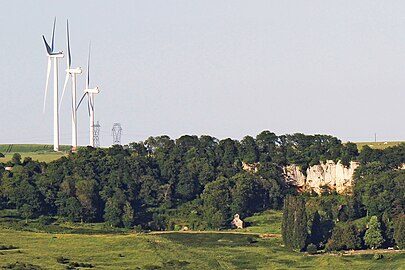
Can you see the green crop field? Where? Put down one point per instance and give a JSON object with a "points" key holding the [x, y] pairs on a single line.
{"points": [[40, 152], [168, 250], [377, 145]]}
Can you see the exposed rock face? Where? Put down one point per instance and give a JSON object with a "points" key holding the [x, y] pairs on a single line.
{"points": [[335, 176]]}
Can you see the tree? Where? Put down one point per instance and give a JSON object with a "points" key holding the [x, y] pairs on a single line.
{"points": [[128, 215], [87, 195], [217, 200], [316, 229], [112, 212], [294, 227], [344, 236], [399, 231], [16, 159], [373, 237]]}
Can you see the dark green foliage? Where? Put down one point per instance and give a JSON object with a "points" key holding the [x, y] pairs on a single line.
{"points": [[312, 249], [344, 236], [316, 230], [294, 227], [379, 190], [399, 231], [373, 237]]}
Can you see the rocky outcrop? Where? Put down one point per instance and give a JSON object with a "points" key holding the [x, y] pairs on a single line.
{"points": [[335, 176]]}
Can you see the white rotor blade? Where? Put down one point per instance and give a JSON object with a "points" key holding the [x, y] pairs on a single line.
{"points": [[80, 102], [64, 88], [69, 57], [53, 34], [48, 72], [88, 70]]}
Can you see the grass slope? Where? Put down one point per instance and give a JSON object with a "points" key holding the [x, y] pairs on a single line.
{"points": [[173, 250]]}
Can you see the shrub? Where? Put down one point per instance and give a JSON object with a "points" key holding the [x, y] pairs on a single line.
{"points": [[45, 220], [378, 256], [62, 260], [333, 245], [312, 249]]}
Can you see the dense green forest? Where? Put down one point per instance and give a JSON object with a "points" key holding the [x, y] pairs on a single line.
{"points": [[162, 183]]}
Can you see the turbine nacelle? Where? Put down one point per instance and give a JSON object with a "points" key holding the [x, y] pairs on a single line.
{"points": [[56, 55], [77, 70], [94, 90]]}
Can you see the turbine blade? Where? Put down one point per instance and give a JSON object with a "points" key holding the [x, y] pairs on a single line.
{"points": [[88, 104], [48, 49], [88, 69], [53, 34], [80, 102], [91, 98], [48, 72], [64, 88], [69, 57]]}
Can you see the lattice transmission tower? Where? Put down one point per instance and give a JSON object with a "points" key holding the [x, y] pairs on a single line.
{"points": [[97, 134], [116, 133]]}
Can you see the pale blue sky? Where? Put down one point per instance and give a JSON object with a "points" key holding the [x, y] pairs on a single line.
{"points": [[222, 68]]}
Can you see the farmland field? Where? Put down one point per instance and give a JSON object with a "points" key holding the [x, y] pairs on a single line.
{"points": [[377, 145], [40, 152]]}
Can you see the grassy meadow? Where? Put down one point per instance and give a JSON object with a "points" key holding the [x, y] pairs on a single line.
{"points": [[377, 145], [109, 249], [39, 152]]}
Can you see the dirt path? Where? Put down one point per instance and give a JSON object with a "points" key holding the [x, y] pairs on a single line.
{"points": [[262, 235]]}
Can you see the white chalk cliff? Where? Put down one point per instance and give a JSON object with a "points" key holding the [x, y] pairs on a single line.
{"points": [[335, 176]]}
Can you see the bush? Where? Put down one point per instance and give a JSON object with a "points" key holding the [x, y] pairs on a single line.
{"points": [[62, 260], [333, 245], [78, 264], [45, 220], [378, 256], [312, 249]]}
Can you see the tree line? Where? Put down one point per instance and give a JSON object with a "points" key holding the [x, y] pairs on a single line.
{"points": [[159, 182]]}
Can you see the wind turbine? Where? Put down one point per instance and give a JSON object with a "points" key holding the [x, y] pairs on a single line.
{"points": [[55, 56], [71, 72], [90, 92]]}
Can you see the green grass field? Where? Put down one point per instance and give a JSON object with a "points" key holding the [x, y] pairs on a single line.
{"points": [[40, 152], [377, 145], [171, 250]]}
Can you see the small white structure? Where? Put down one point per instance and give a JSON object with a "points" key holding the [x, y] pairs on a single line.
{"points": [[237, 222]]}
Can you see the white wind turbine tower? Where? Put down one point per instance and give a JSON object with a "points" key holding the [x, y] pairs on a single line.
{"points": [[55, 56], [71, 72], [90, 92]]}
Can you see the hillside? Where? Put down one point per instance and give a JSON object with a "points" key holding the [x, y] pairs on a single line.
{"points": [[168, 250]]}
